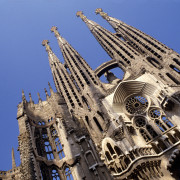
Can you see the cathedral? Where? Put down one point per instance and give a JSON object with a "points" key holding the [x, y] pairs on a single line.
{"points": [[125, 129]]}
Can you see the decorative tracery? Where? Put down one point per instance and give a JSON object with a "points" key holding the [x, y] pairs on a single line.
{"points": [[47, 145], [68, 174], [55, 175], [136, 105], [158, 117], [58, 144]]}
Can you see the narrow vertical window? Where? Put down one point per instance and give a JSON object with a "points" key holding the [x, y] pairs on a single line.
{"points": [[111, 150], [58, 144], [55, 175], [97, 123], [59, 148], [68, 174], [48, 150]]}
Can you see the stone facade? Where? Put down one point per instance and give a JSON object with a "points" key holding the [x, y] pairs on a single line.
{"points": [[126, 129]]}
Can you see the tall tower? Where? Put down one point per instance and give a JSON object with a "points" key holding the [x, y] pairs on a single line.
{"points": [[126, 129]]}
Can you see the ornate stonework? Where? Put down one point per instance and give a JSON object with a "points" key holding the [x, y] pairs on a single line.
{"points": [[125, 129]]}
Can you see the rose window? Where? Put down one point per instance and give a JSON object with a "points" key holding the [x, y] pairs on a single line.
{"points": [[140, 122], [155, 113], [136, 105]]}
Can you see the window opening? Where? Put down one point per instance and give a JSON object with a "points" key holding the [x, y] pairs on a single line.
{"points": [[173, 78], [111, 150], [86, 102], [175, 68], [59, 148], [118, 151], [55, 175], [48, 150], [145, 135], [151, 131], [155, 113], [68, 174], [108, 156], [136, 105], [87, 119], [140, 122], [167, 122], [97, 123], [100, 114], [160, 125]]}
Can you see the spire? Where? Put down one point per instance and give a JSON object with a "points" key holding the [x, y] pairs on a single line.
{"points": [[23, 96], [30, 98], [62, 80], [115, 47], [13, 159], [61, 40], [136, 38], [47, 96], [91, 24], [50, 88], [103, 14], [45, 43], [39, 98], [52, 57], [80, 71], [112, 21]]}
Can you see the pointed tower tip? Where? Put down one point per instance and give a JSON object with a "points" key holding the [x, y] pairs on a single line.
{"points": [[79, 13], [47, 95], [39, 98], [54, 29], [103, 14], [45, 42], [51, 90], [13, 159], [98, 10], [23, 96], [30, 98]]}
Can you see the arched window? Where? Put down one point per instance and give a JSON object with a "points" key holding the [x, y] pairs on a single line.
{"points": [[47, 146], [118, 151], [160, 125], [48, 150], [86, 102], [145, 135], [111, 150], [97, 123], [87, 119], [68, 174], [58, 144], [100, 114], [59, 148], [160, 120], [151, 131], [167, 122], [55, 175], [108, 156]]}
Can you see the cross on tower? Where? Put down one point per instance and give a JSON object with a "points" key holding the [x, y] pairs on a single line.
{"points": [[81, 15], [54, 29], [45, 43]]}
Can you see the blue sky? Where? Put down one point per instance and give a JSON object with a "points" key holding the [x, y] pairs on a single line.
{"points": [[24, 63]]}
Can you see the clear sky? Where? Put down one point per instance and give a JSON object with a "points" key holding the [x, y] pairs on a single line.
{"points": [[24, 62]]}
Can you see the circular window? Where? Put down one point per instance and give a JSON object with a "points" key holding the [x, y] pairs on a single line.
{"points": [[136, 105], [140, 122], [155, 113]]}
